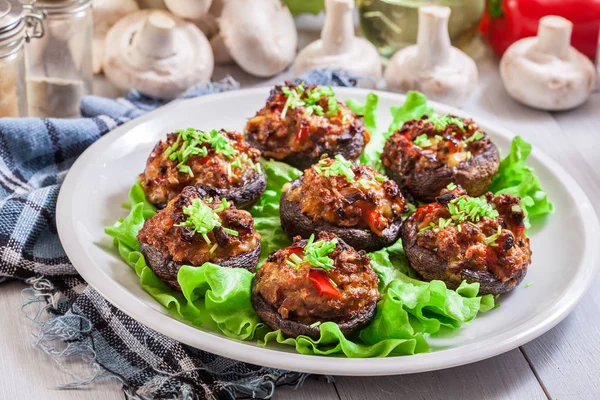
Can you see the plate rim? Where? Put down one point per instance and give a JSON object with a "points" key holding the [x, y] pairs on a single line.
{"points": [[395, 365]]}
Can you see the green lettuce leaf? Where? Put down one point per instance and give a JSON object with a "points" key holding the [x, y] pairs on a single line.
{"points": [[212, 297], [266, 211], [218, 299], [414, 107], [373, 149], [517, 179]]}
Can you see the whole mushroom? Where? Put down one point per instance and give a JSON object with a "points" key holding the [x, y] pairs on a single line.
{"points": [[545, 71], [106, 14], [260, 35], [157, 53], [432, 66], [339, 47], [188, 9]]}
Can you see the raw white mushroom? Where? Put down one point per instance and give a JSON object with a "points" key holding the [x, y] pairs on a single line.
{"points": [[157, 53], [339, 47], [188, 9], [106, 14], [260, 35], [220, 51], [432, 66], [546, 72]]}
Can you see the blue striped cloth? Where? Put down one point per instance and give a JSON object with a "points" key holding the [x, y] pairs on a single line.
{"points": [[35, 156]]}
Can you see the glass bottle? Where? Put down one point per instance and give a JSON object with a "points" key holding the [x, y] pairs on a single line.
{"points": [[18, 23], [59, 67], [392, 24]]}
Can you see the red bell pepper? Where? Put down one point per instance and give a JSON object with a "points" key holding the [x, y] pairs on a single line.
{"points": [[507, 21], [319, 278]]}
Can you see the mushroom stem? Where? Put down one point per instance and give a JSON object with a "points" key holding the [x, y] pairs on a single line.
{"points": [[155, 39], [554, 36], [338, 29], [433, 40]]}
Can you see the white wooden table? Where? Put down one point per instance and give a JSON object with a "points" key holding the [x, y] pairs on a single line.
{"points": [[562, 364]]}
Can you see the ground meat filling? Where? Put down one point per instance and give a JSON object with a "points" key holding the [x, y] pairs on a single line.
{"points": [[496, 243], [166, 175], [425, 144], [282, 131], [183, 244], [366, 201], [307, 294]]}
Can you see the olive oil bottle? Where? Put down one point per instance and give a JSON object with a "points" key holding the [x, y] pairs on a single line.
{"points": [[392, 24]]}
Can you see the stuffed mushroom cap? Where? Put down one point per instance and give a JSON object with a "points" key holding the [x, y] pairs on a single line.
{"points": [[300, 123], [195, 228], [221, 163], [465, 238], [427, 154], [361, 206], [315, 281]]}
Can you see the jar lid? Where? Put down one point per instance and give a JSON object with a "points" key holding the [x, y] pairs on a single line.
{"points": [[11, 18], [62, 6]]}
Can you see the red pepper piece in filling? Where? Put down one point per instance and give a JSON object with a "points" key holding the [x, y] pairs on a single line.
{"points": [[319, 278], [302, 133], [372, 216], [294, 250]]}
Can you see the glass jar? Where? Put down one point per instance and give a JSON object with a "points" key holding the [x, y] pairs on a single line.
{"points": [[59, 66], [15, 23], [392, 24]]}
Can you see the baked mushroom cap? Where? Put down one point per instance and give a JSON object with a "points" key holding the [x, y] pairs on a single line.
{"points": [[157, 53], [365, 211], [291, 294], [493, 251], [220, 163], [425, 155], [298, 131], [194, 229]]}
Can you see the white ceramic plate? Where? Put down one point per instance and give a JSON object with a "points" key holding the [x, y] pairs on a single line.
{"points": [[565, 249]]}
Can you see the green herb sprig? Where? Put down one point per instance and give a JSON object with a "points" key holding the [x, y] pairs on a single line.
{"points": [[299, 97], [191, 142], [339, 167], [203, 218], [317, 253], [440, 122], [422, 141]]}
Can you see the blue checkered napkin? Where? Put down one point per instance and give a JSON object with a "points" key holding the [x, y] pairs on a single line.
{"points": [[35, 155]]}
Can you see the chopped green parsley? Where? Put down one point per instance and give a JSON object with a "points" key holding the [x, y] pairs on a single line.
{"points": [[466, 209], [478, 135], [470, 209], [300, 97], [192, 142], [422, 141], [339, 166], [203, 218], [441, 122], [317, 253]]}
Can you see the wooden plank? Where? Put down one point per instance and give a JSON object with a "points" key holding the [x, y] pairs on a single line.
{"points": [[504, 377], [315, 387], [28, 373], [567, 358]]}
